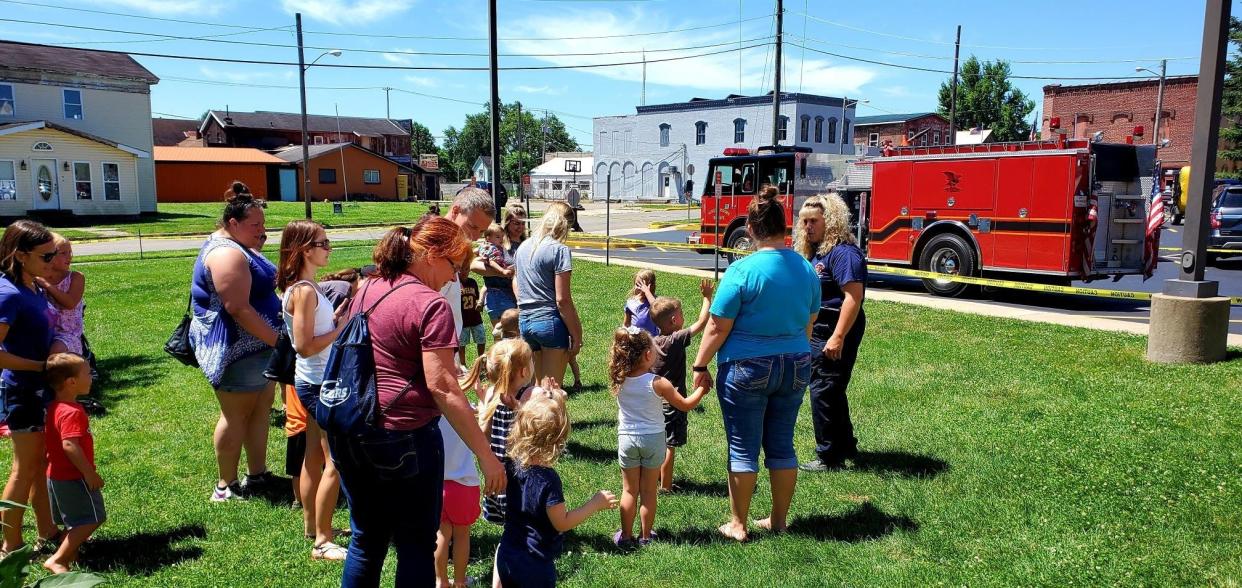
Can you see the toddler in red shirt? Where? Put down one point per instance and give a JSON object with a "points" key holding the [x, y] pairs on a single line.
{"points": [[73, 483]]}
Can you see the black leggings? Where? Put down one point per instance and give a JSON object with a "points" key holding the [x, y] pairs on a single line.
{"points": [[830, 410]]}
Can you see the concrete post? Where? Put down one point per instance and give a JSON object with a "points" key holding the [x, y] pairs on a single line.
{"points": [[1188, 330]]}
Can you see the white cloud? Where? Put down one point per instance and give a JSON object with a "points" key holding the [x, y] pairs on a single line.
{"points": [[165, 7], [423, 82], [237, 77], [551, 91], [349, 12], [610, 32], [896, 91]]}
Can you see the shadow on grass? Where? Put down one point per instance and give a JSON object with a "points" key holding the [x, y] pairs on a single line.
{"points": [[144, 553], [595, 424], [121, 372], [584, 389], [864, 523], [277, 492], [714, 488], [576, 450], [901, 463]]}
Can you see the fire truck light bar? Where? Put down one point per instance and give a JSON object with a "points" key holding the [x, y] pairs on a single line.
{"points": [[736, 151]]}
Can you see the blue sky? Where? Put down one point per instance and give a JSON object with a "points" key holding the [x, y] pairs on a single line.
{"points": [[1116, 36]]}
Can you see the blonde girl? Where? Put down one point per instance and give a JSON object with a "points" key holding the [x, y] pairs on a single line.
{"points": [[638, 304], [641, 439], [537, 516], [507, 365], [65, 288], [549, 319]]}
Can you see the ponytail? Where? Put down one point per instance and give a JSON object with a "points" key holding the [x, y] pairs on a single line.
{"points": [[766, 216]]}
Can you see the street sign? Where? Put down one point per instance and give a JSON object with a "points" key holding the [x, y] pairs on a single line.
{"points": [[573, 166], [719, 187], [526, 180]]}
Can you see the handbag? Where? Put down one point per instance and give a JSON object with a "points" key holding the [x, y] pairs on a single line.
{"points": [[178, 344], [281, 367]]}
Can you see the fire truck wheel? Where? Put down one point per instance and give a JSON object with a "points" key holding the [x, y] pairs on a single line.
{"points": [[740, 240], [948, 253]]}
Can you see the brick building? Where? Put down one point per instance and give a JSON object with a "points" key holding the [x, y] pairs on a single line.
{"points": [[273, 130], [1117, 108], [917, 128]]}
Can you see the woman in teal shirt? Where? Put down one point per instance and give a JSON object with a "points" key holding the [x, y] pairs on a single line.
{"points": [[759, 332]]}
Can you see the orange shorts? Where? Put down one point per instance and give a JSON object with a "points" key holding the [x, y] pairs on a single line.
{"points": [[461, 504]]}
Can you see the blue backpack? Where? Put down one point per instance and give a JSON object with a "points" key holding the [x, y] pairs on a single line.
{"points": [[349, 400]]}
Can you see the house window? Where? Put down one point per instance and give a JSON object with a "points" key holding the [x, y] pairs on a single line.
{"points": [[82, 179], [873, 140], [112, 181], [318, 140], [8, 107], [845, 131], [73, 104], [936, 137], [8, 181], [327, 175], [370, 176], [782, 128], [41, 146], [804, 128], [664, 128], [739, 130], [923, 137], [832, 130], [558, 184], [700, 133], [584, 185], [819, 129]]}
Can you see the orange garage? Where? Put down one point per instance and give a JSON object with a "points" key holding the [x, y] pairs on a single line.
{"points": [[202, 174]]}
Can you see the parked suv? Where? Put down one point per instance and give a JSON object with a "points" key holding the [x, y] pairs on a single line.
{"points": [[1226, 221]]}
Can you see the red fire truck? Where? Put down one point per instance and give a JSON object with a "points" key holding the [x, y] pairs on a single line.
{"points": [[1049, 211]]}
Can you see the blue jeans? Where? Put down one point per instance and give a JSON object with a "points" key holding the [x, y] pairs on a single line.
{"points": [[759, 400], [308, 393], [541, 333], [394, 482], [497, 302]]}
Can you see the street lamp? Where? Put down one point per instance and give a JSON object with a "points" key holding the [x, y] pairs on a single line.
{"points": [[1155, 132], [302, 86], [844, 131]]}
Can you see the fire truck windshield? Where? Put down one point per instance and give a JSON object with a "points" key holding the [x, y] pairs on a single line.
{"points": [[735, 178], [777, 172]]}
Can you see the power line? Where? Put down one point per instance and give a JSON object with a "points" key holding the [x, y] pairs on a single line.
{"points": [[165, 38], [1015, 61]]}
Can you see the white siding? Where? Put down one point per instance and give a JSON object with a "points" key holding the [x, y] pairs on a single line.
{"points": [[69, 148]]}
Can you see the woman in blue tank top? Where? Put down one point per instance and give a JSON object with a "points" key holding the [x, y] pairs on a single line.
{"points": [[236, 314]]}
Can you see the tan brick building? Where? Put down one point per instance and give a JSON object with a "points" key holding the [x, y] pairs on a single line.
{"points": [[1117, 108]]}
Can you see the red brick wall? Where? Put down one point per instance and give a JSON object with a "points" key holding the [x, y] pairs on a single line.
{"points": [[1117, 108], [896, 131]]}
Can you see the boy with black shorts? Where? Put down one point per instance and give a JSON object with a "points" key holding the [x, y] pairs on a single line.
{"points": [[72, 481], [670, 363]]}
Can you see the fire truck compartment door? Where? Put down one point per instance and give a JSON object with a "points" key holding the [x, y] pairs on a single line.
{"points": [[1011, 223], [948, 186]]}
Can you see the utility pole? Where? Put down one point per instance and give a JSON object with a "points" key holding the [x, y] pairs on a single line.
{"points": [[957, 50], [520, 158], [841, 148], [776, 86], [1155, 129], [496, 106], [305, 148], [387, 103], [543, 147]]}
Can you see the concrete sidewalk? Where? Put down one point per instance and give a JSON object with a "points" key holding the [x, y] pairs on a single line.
{"points": [[951, 304]]}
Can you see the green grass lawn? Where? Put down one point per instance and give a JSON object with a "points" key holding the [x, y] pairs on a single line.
{"points": [[997, 453], [200, 218]]}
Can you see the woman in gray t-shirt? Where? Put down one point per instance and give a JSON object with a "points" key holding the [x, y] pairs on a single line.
{"points": [[548, 319]]}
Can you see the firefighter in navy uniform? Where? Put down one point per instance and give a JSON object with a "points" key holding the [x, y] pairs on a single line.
{"points": [[822, 235]]}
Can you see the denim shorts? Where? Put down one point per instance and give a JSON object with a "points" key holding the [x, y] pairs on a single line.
{"points": [[246, 374], [544, 333], [497, 301], [308, 394], [24, 410], [476, 333], [759, 400], [645, 450]]}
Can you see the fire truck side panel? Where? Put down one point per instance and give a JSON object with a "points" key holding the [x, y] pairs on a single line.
{"points": [[1052, 210], [947, 186], [1011, 218], [891, 234]]}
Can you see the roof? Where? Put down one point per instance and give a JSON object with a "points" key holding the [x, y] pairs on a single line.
{"points": [[486, 159], [556, 166], [1052, 88], [315, 123], [169, 132], [73, 61], [22, 127], [974, 136], [215, 155], [883, 119], [733, 100], [293, 154]]}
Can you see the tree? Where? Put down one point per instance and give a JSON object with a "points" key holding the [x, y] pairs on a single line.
{"points": [[463, 146], [421, 140], [987, 99], [1231, 100]]}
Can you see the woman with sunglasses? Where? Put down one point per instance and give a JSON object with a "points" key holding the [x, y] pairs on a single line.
{"points": [[26, 254], [236, 313], [313, 326]]}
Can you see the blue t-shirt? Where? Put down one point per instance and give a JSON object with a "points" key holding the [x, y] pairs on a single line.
{"points": [[528, 529], [770, 295], [844, 263], [25, 311], [640, 316]]}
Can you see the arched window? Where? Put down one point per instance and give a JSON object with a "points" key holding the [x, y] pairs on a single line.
{"points": [[804, 128], [739, 130], [819, 129], [664, 128], [782, 128], [700, 133], [845, 131], [832, 130]]}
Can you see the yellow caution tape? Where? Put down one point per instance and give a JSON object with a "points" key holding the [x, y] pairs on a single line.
{"points": [[1236, 251]]}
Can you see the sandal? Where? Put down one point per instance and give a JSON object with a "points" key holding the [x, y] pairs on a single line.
{"points": [[49, 545], [329, 552], [336, 533]]}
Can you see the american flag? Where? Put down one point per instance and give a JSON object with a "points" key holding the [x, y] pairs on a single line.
{"points": [[1155, 220]]}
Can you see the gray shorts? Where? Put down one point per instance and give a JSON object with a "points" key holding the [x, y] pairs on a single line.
{"points": [[645, 450], [75, 505], [246, 374]]}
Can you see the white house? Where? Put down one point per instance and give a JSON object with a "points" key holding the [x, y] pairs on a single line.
{"points": [[652, 153], [553, 178], [75, 132], [482, 168]]}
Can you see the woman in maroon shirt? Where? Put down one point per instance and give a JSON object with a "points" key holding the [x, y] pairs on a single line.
{"points": [[394, 478]]}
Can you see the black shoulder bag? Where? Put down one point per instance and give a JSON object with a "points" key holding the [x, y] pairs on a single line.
{"points": [[178, 344]]}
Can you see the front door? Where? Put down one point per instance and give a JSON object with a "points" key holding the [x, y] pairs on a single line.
{"points": [[46, 183], [288, 184]]}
